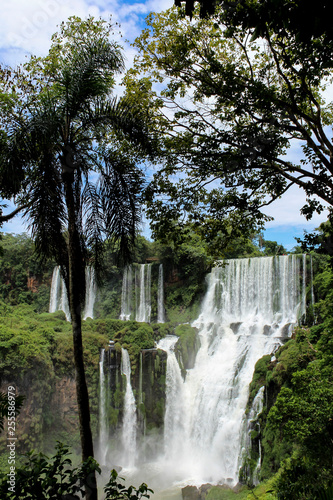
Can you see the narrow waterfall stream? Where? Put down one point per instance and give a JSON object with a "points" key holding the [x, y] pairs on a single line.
{"points": [[103, 430], [58, 294], [126, 294], [129, 418], [90, 293], [143, 311], [160, 296]]}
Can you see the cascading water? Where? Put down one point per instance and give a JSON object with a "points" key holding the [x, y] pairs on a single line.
{"points": [[58, 294], [173, 422], [103, 430], [55, 289], [90, 293], [144, 309], [249, 307], [129, 417], [136, 293], [160, 296], [126, 294]]}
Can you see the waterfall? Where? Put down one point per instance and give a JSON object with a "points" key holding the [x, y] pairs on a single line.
{"points": [[129, 417], [144, 307], [173, 422], [312, 292], [160, 296], [136, 294], [90, 293], [55, 289], [103, 430], [249, 308], [126, 294], [58, 294]]}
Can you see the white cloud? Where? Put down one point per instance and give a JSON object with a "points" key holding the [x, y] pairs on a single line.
{"points": [[27, 27]]}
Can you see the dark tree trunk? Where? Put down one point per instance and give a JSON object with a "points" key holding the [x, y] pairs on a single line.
{"points": [[76, 268]]}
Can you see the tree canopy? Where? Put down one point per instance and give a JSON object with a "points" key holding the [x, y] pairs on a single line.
{"points": [[230, 106]]}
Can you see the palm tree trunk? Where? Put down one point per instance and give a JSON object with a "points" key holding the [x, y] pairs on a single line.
{"points": [[76, 269]]}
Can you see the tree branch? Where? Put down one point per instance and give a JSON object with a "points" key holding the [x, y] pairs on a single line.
{"points": [[6, 218]]}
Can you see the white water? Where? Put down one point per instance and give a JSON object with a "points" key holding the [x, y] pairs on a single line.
{"points": [[160, 296], [144, 308], [249, 307], [103, 430], [90, 293], [54, 289], [126, 294], [136, 294], [58, 294], [129, 416]]}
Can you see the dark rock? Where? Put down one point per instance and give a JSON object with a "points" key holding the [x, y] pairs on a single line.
{"points": [[191, 493], [235, 327]]}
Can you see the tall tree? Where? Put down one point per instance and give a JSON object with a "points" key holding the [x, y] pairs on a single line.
{"points": [[70, 147], [230, 105]]}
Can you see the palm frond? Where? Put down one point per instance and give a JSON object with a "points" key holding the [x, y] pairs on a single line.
{"points": [[127, 121], [120, 190], [46, 215], [94, 232], [89, 72]]}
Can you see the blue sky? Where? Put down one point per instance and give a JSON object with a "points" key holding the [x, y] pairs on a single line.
{"points": [[26, 28]]}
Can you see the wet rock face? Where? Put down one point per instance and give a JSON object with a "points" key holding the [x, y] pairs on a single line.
{"points": [[187, 347], [148, 384], [153, 374]]}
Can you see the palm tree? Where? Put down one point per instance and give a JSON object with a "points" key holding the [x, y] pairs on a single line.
{"points": [[74, 142]]}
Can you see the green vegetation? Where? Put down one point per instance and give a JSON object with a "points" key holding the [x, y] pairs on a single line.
{"points": [[55, 478], [22, 275], [187, 346]]}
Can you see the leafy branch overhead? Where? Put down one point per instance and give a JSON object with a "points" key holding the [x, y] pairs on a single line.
{"points": [[230, 105]]}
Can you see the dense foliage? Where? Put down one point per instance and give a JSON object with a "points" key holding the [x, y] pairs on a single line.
{"points": [[23, 278], [230, 105], [55, 478]]}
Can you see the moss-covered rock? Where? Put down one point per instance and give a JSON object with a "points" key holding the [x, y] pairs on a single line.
{"points": [[187, 346]]}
